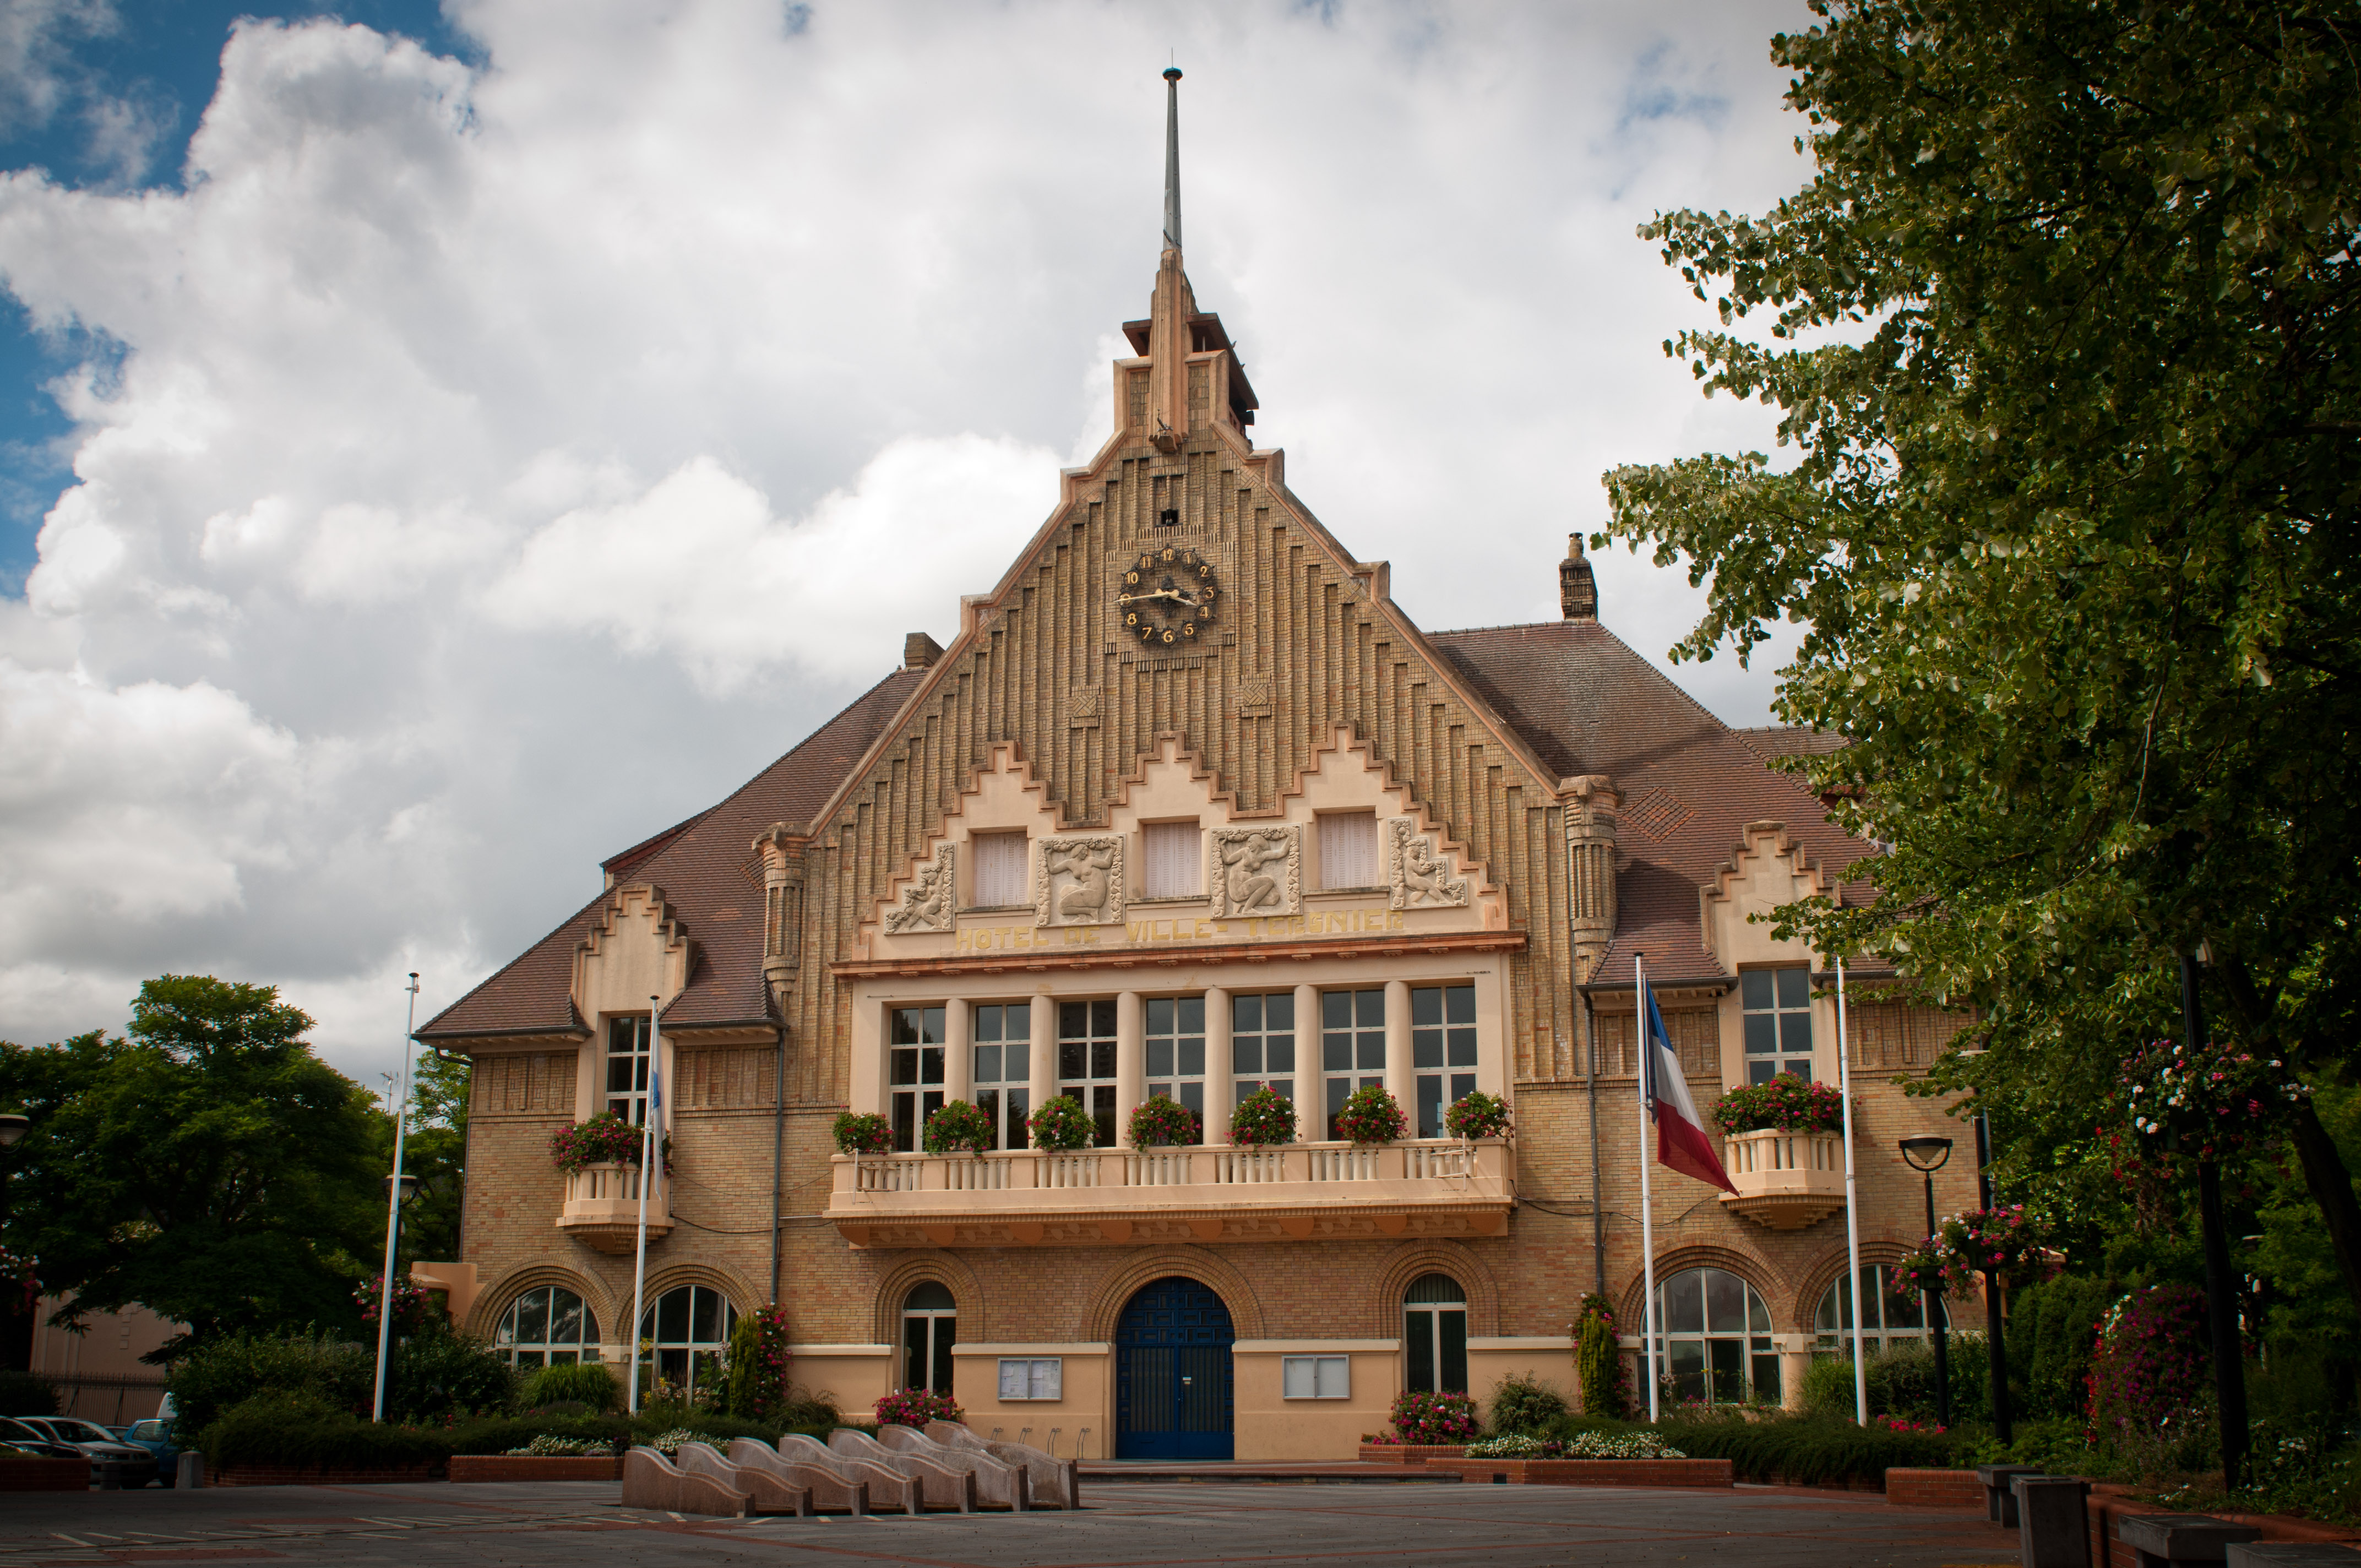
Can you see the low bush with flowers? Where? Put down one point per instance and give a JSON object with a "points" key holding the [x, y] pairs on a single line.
{"points": [[411, 1304], [1370, 1116], [863, 1133], [1061, 1124], [604, 1139], [1425, 1418], [1903, 1423], [958, 1127], [1786, 1103], [1581, 1445], [916, 1408], [1476, 1115], [2003, 1241], [1162, 1120], [2207, 1101], [2148, 1382], [755, 1380], [1263, 1119]]}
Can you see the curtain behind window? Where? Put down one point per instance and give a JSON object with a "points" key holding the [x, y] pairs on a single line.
{"points": [[1000, 869], [1172, 860], [1348, 850]]}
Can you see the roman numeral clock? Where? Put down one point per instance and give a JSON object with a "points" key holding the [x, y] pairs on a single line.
{"points": [[1167, 597]]}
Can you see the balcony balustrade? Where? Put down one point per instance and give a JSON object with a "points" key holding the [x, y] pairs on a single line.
{"points": [[602, 1208], [1297, 1191], [1784, 1181]]}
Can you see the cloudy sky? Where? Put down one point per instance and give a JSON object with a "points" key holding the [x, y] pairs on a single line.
{"points": [[440, 448]]}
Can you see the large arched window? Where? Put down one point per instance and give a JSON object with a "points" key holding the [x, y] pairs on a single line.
{"points": [[1715, 1337], [691, 1328], [930, 1329], [1889, 1315], [1434, 1334], [547, 1326]]}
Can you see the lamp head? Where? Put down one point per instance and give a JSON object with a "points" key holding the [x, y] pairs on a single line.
{"points": [[408, 1186], [1926, 1152], [14, 1124]]}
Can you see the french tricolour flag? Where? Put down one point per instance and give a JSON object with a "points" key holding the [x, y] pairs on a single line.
{"points": [[1681, 1141]]}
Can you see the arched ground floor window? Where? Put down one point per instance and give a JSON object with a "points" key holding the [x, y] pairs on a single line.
{"points": [[1714, 1334], [1890, 1316], [930, 1329], [1435, 1335], [689, 1328], [547, 1326]]}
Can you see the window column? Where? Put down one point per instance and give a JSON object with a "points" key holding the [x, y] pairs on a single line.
{"points": [[1400, 1082], [1044, 1074], [959, 1063], [1310, 1119], [1220, 1080], [1130, 1060]]}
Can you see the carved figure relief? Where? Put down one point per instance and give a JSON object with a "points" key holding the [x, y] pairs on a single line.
{"points": [[1256, 870], [927, 904], [1421, 878], [1080, 882]]}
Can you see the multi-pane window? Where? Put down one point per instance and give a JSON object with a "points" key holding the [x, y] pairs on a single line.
{"points": [[627, 1067], [930, 1329], [1262, 1043], [1352, 1047], [691, 1328], [1778, 1008], [1176, 1051], [1441, 1050], [1891, 1315], [1175, 863], [1086, 1052], [999, 872], [1003, 1045], [1348, 850], [1715, 1341], [1435, 1335], [914, 1050], [547, 1326]]}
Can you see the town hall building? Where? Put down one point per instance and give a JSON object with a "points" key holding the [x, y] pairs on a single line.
{"points": [[1191, 808]]}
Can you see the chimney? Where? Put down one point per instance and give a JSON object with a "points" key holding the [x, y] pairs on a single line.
{"points": [[919, 650], [1577, 590]]}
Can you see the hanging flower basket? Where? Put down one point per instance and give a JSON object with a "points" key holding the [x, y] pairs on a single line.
{"points": [[1478, 1115], [1162, 1120], [2208, 1101], [958, 1127], [1263, 1119], [1061, 1125], [862, 1132], [1787, 1104], [1371, 1115], [2004, 1242], [411, 1304], [604, 1139]]}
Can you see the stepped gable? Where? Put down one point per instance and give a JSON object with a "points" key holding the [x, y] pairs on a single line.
{"points": [[1588, 704], [710, 881]]}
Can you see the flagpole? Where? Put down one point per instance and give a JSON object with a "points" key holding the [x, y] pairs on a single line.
{"points": [[1647, 1207], [393, 1204], [647, 1176], [1852, 1210]]}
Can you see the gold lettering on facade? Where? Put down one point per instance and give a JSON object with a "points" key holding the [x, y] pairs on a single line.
{"points": [[1183, 931]]}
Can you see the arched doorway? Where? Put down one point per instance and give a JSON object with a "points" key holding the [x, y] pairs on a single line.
{"points": [[1173, 1395]]}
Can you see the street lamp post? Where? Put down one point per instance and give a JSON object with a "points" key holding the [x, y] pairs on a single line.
{"points": [[1993, 1321], [2221, 1281], [1928, 1154]]}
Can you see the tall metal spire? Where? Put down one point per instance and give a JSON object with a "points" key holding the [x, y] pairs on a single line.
{"points": [[1172, 158]]}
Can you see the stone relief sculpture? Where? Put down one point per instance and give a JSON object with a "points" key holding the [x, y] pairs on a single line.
{"points": [[1257, 871], [927, 903], [1422, 879], [1080, 882]]}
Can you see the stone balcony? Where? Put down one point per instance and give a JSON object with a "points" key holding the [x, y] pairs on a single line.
{"points": [[1094, 1197], [1784, 1181], [602, 1208]]}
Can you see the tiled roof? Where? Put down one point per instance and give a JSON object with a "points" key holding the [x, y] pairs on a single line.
{"points": [[711, 879], [1588, 704], [1791, 740]]}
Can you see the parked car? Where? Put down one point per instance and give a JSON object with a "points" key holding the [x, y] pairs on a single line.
{"points": [[156, 1437], [16, 1434], [99, 1444]]}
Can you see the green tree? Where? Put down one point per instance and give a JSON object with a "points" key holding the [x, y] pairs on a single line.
{"points": [[435, 1151], [206, 1164], [2063, 334]]}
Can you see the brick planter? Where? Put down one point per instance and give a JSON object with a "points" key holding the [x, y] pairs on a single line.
{"points": [[2109, 1504], [1412, 1453], [1935, 1489], [318, 1476], [30, 1474], [1591, 1472], [535, 1467]]}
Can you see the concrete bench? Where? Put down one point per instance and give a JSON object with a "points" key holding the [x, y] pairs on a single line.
{"points": [[2000, 1503], [2288, 1554], [652, 1480], [1051, 1482], [765, 1493], [828, 1487], [940, 1486], [890, 1489], [1006, 1486], [2156, 1539], [2053, 1520]]}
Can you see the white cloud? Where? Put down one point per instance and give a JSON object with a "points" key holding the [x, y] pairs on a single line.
{"points": [[492, 466]]}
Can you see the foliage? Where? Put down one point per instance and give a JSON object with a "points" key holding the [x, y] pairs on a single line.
{"points": [[862, 1132], [1423, 1416], [1598, 1361], [2005, 1241], [20, 1281], [604, 1139], [1787, 1102], [1902, 1382], [916, 1408], [1476, 1115], [2072, 527], [435, 1150], [2051, 1330], [237, 1368], [1522, 1403], [1515, 1445], [584, 1383], [1637, 1444], [413, 1304], [2148, 1378], [1061, 1123], [1370, 1116], [1829, 1389], [958, 1126], [1263, 1119], [1162, 1120], [26, 1394], [2205, 1101], [756, 1383], [207, 1165], [668, 1443], [285, 1428], [439, 1375], [1812, 1450], [549, 1445]]}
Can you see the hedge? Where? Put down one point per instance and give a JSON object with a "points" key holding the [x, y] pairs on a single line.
{"points": [[26, 1394], [1807, 1449], [293, 1429]]}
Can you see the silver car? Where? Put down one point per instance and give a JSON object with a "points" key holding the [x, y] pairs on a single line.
{"points": [[102, 1446]]}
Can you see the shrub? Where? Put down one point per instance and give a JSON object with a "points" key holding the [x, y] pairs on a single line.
{"points": [[1061, 1124], [1522, 1403], [413, 1304], [1813, 1450], [2148, 1378], [756, 1386], [604, 1139], [584, 1383], [1478, 1115], [862, 1132], [549, 1445], [916, 1408], [1434, 1418], [2051, 1328], [1786, 1102], [1515, 1445], [439, 1374], [1829, 1387], [668, 1443], [507, 1435], [1162, 1120], [1263, 1119], [1370, 1116], [284, 1428], [1619, 1445], [235, 1368], [26, 1394], [1598, 1361], [958, 1126], [1900, 1380]]}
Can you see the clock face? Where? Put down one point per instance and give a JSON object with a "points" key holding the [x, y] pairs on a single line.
{"points": [[1167, 597]]}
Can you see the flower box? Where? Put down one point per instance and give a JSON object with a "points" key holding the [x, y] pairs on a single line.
{"points": [[1784, 1181]]}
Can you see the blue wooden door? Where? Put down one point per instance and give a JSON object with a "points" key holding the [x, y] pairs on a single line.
{"points": [[1173, 1395]]}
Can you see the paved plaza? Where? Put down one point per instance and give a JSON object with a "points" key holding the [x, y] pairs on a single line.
{"points": [[1164, 1524]]}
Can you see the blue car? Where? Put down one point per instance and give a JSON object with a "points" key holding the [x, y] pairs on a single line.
{"points": [[156, 1437]]}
